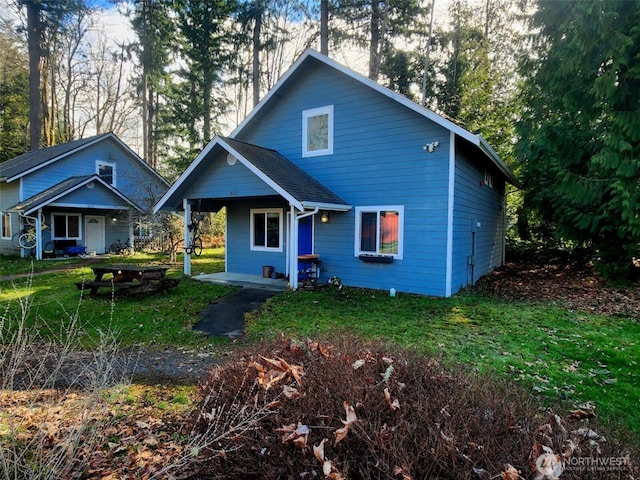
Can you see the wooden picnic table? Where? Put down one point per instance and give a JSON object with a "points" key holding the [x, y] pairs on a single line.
{"points": [[129, 279]]}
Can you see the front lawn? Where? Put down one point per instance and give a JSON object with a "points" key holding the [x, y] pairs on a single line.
{"points": [[560, 355]]}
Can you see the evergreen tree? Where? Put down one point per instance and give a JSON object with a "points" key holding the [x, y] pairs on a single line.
{"points": [[580, 131], [14, 96]]}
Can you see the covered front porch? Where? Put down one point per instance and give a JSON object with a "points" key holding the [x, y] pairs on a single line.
{"points": [[244, 280], [267, 198]]}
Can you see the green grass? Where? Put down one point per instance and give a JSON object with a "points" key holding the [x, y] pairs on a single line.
{"points": [[158, 320], [564, 357]]}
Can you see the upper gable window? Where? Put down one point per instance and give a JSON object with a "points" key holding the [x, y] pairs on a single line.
{"points": [[317, 131], [107, 172]]}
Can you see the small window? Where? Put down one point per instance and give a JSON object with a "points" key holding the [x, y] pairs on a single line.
{"points": [[266, 230], [66, 226], [6, 225], [488, 178], [107, 172], [380, 231], [317, 131]]}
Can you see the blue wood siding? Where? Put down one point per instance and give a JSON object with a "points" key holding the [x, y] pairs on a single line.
{"points": [[132, 179], [219, 179], [240, 257], [377, 160], [475, 203], [96, 197]]}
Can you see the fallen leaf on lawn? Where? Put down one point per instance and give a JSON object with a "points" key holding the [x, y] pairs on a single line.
{"points": [[580, 415]]}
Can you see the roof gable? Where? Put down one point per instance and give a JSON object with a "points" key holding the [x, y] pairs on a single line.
{"points": [[64, 188], [35, 160], [284, 177], [311, 56]]}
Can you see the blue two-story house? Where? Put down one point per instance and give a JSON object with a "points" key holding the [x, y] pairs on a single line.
{"points": [[372, 187], [87, 193]]}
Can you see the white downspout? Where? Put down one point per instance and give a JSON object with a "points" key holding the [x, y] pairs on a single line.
{"points": [[39, 234], [293, 276], [187, 235]]}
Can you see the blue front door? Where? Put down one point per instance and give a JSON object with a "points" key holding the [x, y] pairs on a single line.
{"points": [[305, 235]]}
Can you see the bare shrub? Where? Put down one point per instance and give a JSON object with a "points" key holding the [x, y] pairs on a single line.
{"points": [[348, 410], [52, 393]]}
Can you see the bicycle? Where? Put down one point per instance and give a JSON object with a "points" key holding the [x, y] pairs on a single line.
{"points": [[119, 248], [26, 238], [195, 245]]}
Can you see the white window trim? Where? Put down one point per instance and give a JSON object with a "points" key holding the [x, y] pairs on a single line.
{"points": [[257, 248], [113, 169], [10, 226], [55, 236], [314, 112], [377, 209]]}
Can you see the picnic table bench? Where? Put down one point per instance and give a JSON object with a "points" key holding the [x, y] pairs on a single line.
{"points": [[129, 279]]}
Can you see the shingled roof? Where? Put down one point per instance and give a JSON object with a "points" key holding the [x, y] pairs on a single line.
{"points": [[291, 178], [286, 178], [62, 189]]}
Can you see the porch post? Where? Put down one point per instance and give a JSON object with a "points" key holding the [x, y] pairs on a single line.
{"points": [[132, 239], [39, 234], [293, 250], [187, 219]]}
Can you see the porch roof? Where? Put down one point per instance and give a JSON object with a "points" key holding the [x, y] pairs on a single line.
{"points": [[287, 179], [64, 188]]}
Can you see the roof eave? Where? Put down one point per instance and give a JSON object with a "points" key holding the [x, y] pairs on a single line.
{"points": [[337, 207], [93, 178]]}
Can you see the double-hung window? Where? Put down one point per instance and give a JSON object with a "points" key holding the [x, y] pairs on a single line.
{"points": [[66, 226], [380, 231], [266, 229], [6, 225], [317, 131]]}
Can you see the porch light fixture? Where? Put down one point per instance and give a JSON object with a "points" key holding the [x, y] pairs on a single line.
{"points": [[430, 147], [114, 219], [324, 218]]}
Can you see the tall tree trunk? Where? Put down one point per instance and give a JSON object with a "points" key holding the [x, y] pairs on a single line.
{"points": [[206, 106], [378, 30], [35, 53], [256, 53], [324, 27]]}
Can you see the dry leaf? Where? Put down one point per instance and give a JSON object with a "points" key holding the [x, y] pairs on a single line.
{"points": [[395, 404], [357, 364], [510, 473], [351, 417], [318, 451], [290, 392]]}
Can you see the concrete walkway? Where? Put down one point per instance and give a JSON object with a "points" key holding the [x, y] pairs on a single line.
{"points": [[243, 280], [225, 317]]}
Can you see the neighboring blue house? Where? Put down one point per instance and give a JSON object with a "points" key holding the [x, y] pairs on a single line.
{"points": [[86, 193], [386, 193]]}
